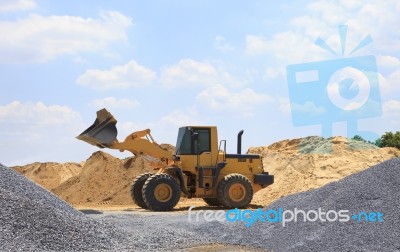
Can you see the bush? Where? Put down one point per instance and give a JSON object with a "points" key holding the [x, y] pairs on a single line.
{"points": [[377, 142], [390, 139], [358, 138]]}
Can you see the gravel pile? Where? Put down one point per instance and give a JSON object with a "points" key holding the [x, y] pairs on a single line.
{"points": [[375, 189], [32, 218], [320, 145]]}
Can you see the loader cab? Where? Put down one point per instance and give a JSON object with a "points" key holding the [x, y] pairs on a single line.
{"points": [[197, 146]]}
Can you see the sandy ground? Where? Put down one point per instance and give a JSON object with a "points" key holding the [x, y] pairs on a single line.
{"points": [[182, 206]]}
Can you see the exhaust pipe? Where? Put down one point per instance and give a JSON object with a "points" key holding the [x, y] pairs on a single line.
{"points": [[239, 142]]}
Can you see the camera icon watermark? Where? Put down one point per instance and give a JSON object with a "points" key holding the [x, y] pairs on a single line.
{"points": [[339, 90]]}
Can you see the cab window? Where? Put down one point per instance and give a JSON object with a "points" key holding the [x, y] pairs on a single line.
{"points": [[185, 141]]}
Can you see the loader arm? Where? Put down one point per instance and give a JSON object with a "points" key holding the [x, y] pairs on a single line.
{"points": [[103, 133], [139, 146]]}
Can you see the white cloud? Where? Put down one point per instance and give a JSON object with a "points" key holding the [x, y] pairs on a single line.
{"points": [[368, 17], [128, 127], [222, 45], [37, 38], [189, 73], [16, 5], [308, 108], [389, 65], [179, 118], [120, 77], [281, 46], [390, 82], [392, 107], [37, 132], [274, 72], [387, 62], [296, 45], [37, 113], [284, 105], [219, 98], [112, 102]]}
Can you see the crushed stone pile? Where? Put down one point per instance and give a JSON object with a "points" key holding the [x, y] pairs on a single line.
{"points": [[33, 219], [49, 174], [308, 163], [375, 189]]}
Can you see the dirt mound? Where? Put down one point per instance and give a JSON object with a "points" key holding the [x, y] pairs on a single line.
{"points": [[49, 175], [104, 180], [307, 163], [168, 147]]}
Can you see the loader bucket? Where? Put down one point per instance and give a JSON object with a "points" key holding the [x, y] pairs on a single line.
{"points": [[102, 132]]}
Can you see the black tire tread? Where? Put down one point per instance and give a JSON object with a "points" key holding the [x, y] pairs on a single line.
{"points": [[223, 196], [152, 203], [136, 189]]}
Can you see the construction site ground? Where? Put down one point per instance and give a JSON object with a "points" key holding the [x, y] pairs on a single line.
{"points": [[87, 206]]}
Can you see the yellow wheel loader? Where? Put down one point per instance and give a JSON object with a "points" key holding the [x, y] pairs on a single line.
{"points": [[200, 167]]}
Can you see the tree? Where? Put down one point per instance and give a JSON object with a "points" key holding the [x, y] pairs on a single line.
{"points": [[358, 138], [390, 139], [378, 142]]}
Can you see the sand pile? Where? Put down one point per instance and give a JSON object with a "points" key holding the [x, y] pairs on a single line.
{"points": [[104, 180], [297, 168], [33, 219], [50, 174]]}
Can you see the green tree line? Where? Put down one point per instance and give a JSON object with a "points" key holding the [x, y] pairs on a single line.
{"points": [[389, 139]]}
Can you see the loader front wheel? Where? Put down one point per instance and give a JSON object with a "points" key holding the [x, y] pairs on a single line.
{"points": [[136, 189], [161, 192], [235, 191], [212, 201]]}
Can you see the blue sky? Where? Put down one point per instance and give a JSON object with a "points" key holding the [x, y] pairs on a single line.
{"points": [[165, 64]]}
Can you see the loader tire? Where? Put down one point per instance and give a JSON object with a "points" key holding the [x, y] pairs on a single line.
{"points": [[212, 201], [161, 192], [235, 191], [136, 189]]}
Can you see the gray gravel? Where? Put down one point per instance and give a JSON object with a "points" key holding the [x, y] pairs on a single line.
{"points": [[375, 189], [320, 145], [33, 219]]}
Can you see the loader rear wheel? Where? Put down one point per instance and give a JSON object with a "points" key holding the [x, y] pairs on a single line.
{"points": [[235, 191], [136, 189], [212, 201], [161, 192]]}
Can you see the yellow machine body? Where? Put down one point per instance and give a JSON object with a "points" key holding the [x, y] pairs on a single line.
{"points": [[199, 166]]}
